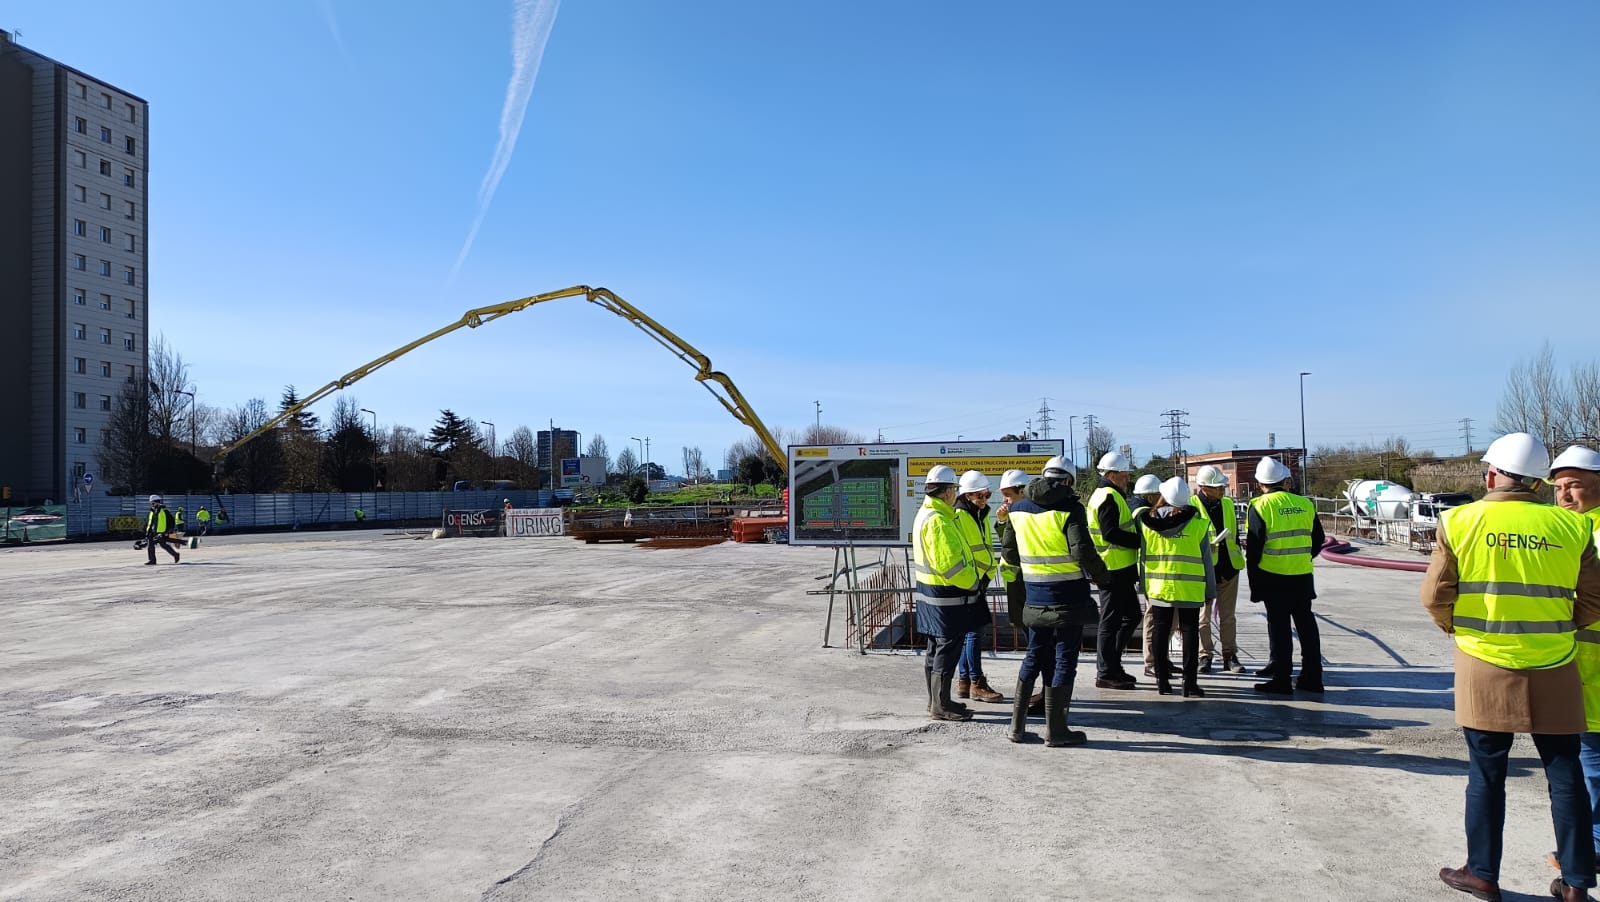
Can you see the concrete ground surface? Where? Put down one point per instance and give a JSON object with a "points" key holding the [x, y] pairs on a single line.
{"points": [[370, 717]]}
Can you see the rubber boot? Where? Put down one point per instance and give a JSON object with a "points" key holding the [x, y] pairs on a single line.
{"points": [[941, 701], [983, 692], [1019, 711], [945, 684], [963, 688], [1056, 734], [927, 678]]}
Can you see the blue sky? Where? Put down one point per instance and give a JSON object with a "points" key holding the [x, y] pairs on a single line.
{"points": [[926, 216]]}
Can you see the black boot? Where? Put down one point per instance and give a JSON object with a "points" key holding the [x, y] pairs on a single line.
{"points": [[1019, 711], [927, 679], [941, 701], [1191, 689], [947, 684], [1056, 734]]}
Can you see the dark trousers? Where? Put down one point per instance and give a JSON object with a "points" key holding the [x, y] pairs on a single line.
{"points": [[1119, 617], [942, 655], [1052, 655], [1280, 640], [1487, 760], [1188, 618], [150, 546]]}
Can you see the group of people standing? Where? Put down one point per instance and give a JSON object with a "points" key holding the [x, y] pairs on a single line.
{"points": [[1057, 556]]}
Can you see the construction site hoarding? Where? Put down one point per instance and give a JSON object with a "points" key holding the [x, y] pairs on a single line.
{"points": [[868, 494], [537, 522]]}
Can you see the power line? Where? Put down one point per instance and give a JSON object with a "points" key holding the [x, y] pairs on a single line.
{"points": [[1175, 434], [1466, 431], [1044, 417]]}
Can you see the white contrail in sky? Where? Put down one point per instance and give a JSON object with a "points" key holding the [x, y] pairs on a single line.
{"points": [[531, 24], [332, 20]]}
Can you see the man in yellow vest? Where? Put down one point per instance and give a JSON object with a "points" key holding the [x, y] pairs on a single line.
{"points": [[1012, 484], [1575, 476], [947, 579], [1175, 540], [204, 516], [1282, 537], [972, 515], [1212, 484], [1111, 529], [1049, 535], [156, 527], [1511, 579]]}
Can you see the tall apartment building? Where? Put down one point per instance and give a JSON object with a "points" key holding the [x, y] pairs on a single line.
{"points": [[74, 290], [566, 445]]}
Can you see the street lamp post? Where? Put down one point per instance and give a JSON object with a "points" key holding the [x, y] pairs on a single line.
{"points": [[1303, 455], [191, 419], [641, 455], [1072, 442], [494, 451], [374, 447]]}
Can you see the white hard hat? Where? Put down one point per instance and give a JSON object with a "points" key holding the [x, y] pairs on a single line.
{"points": [[1270, 472], [973, 481], [154, 498], [1209, 475], [1148, 484], [1176, 491], [1113, 462], [940, 475], [1519, 454], [1061, 465], [1577, 458], [1012, 479]]}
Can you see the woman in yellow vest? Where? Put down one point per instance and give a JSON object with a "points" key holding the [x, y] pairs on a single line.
{"points": [[946, 583], [972, 515], [1178, 579]]}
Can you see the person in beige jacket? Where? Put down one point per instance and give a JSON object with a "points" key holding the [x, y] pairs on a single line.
{"points": [[1489, 585]]}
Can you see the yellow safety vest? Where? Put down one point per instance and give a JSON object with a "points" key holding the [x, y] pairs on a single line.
{"points": [[976, 536], [1518, 563], [1288, 519], [1115, 556], [1230, 529], [1175, 568], [1589, 651], [1042, 547], [161, 520], [945, 572]]}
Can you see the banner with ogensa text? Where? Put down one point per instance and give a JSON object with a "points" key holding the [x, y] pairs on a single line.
{"points": [[534, 521]]}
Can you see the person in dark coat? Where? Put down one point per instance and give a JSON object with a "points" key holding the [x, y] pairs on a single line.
{"points": [[947, 606], [1281, 539]]}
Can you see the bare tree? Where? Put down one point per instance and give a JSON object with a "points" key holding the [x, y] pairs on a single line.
{"points": [[1586, 402], [1534, 399], [627, 464], [1098, 442], [411, 466], [752, 446], [170, 394], [694, 464], [257, 465], [125, 455], [824, 434], [597, 448], [524, 448]]}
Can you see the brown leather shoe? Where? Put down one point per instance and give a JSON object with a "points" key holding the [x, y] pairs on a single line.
{"points": [[963, 688], [1468, 882], [1036, 705], [983, 692], [1560, 890]]}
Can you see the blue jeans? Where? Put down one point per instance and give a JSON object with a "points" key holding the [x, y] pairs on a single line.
{"points": [[971, 664], [1488, 757], [1052, 655], [1589, 755]]}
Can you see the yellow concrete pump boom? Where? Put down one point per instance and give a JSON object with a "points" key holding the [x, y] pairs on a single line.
{"points": [[730, 397]]}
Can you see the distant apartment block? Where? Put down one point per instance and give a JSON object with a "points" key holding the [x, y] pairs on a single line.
{"points": [[74, 266]]}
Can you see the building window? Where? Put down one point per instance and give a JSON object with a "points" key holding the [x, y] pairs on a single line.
{"points": [[131, 210], [105, 336], [127, 275], [79, 158], [133, 308], [105, 134], [129, 245], [77, 296], [105, 437], [130, 145], [107, 98], [80, 193], [133, 115], [130, 374], [80, 262], [79, 330], [127, 341], [105, 368], [83, 90], [80, 365], [105, 302], [105, 169], [105, 200], [105, 402], [80, 400], [105, 234], [79, 227], [80, 436], [127, 177], [105, 267], [81, 125]]}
